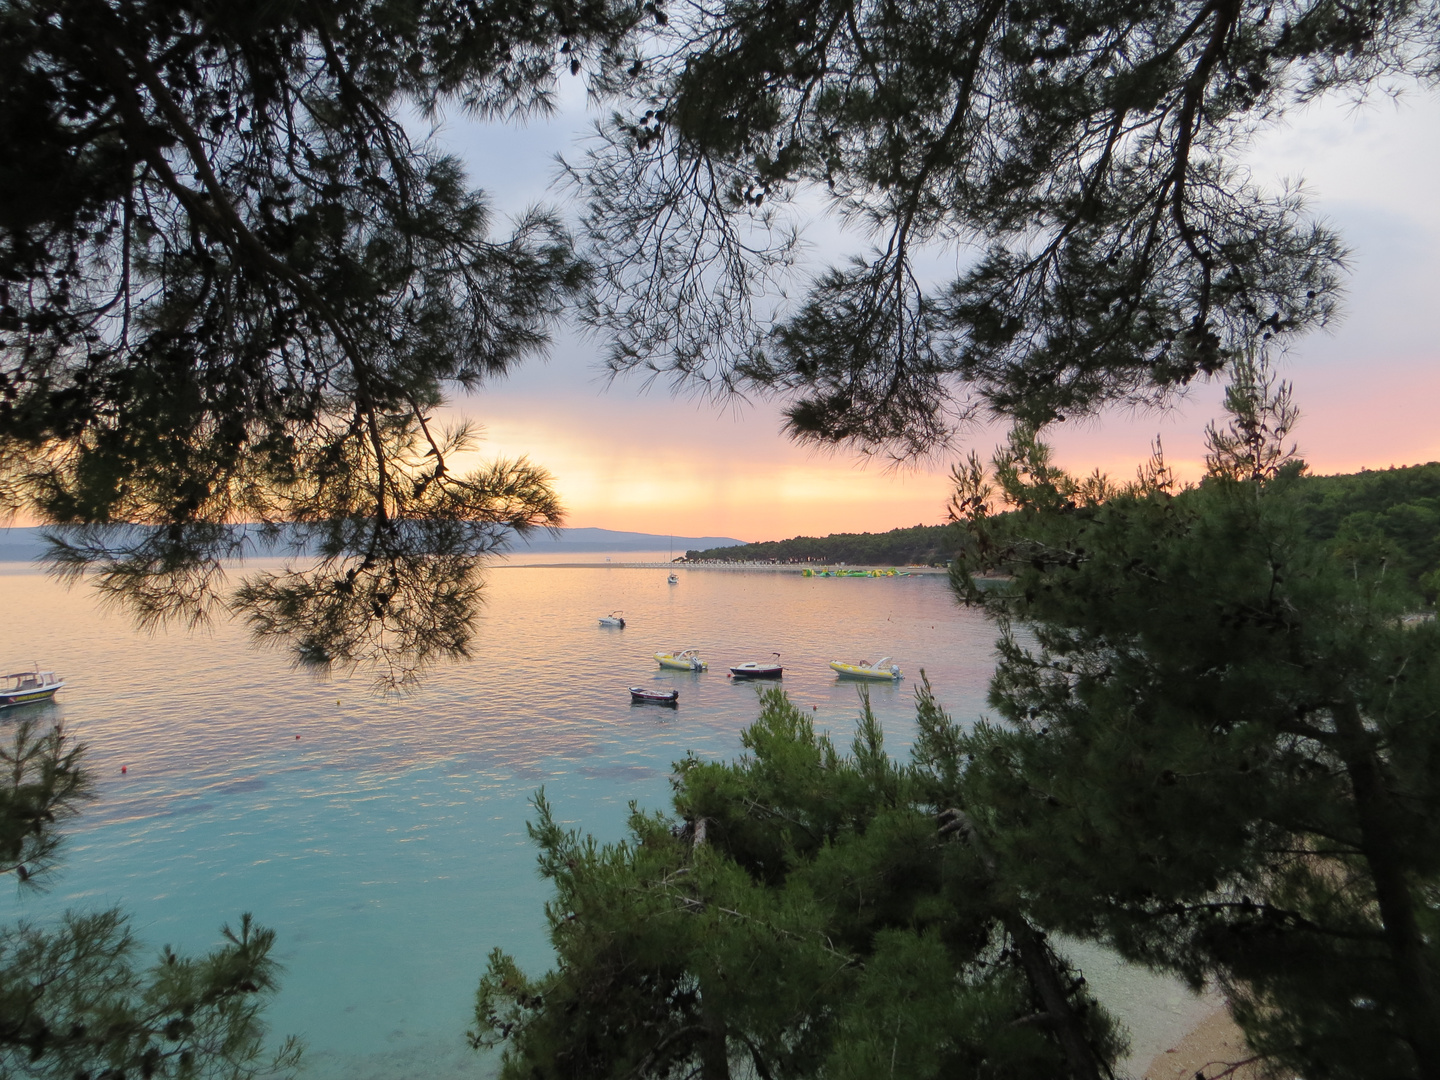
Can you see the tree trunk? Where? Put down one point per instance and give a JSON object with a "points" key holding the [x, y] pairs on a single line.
{"points": [[1375, 810], [714, 1049], [1040, 970], [1036, 959]]}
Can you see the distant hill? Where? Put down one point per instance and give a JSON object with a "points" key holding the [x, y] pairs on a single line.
{"points": [[20, 545], [926, 545], [609, 540], [25, 545]]}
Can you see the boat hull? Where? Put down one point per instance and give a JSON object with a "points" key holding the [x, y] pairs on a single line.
{"points": [[757, 671], [28, 697], [641, 696], [855, 671], [680, 663]]}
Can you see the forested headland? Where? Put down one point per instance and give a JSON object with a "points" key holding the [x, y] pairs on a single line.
{"points": [[924, 545], [1395, 511]]}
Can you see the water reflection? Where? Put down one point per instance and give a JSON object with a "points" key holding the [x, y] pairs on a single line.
{"points": [[386, 844]]}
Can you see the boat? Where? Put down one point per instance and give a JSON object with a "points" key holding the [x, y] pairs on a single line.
{"points": [[615, 618], [758, 670], [640, 695], [674, 579], [27, 687], [681, 660], [881, 669]]}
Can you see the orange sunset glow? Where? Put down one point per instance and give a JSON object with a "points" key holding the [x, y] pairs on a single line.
{"points": [[630, 458]]}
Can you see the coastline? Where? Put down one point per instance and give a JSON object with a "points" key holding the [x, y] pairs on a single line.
{"points": [[1215, 1047], [762, 567]]}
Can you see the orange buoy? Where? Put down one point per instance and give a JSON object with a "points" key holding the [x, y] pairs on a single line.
{"points": [[123, 768]]}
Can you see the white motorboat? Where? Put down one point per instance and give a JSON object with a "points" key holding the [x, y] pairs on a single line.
{"points": [[681, 660], [863, 669], [752, 669], [615, 618], [673, 579], [28, 687]]}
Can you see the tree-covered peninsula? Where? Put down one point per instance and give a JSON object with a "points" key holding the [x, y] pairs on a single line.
{"points": [[1393, 512], [925, 545]]}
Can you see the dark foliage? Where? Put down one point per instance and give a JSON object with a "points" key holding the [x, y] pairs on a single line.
{"points": [[1082, 156], [927, 545], [1218, 744], [234, 289]]}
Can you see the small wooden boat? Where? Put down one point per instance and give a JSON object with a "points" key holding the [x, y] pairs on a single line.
{"points": [[28, 687], [755, 670], [682, 660], [881, 669], [615, 618], [641, 695]]}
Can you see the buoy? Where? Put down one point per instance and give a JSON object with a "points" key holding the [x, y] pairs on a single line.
{"points": [[337, 700], [297, 737], [123, 768]]}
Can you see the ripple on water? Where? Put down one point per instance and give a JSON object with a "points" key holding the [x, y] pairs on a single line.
{"points": [[387, 845]]}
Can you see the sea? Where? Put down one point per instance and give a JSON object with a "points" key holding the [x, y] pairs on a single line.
{"points": [[384, 840]]}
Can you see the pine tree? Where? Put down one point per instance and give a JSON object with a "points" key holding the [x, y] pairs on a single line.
{"points": [[802, 914], [1079, 160], [235, 289], [1217, 745]]}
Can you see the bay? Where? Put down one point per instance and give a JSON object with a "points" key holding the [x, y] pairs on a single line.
{"points": [[384, 840]]}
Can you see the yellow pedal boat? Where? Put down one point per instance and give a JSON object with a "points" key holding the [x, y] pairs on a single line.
{"points": [[682, 660], [881, 669]]}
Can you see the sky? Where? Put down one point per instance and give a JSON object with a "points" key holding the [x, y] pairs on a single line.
{"points": [[631, 457]]}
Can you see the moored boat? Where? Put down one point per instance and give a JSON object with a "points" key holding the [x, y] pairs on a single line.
{"points": [[674, 579], [615, 618], [758, 670], [646, 696], [881, 669], [681, 660], [28, 687]]}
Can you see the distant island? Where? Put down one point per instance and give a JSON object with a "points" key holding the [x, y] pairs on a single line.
{"points": [[593, 540], [919, 545], [25, 543]]}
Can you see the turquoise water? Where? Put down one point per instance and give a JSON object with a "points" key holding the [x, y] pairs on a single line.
{"points": [[386, 845]]}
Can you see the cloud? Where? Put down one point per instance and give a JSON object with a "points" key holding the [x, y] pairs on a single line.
{"points": [[630, 457]]}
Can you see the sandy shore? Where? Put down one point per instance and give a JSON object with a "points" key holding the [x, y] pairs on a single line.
{"points": [[1212, 1049]]}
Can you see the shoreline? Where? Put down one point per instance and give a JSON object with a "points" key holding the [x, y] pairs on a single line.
{"points": [[732, 567], [1215, 1047]]}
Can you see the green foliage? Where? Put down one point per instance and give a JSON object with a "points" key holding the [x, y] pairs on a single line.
{"points": [[929, 545], [43, 784], [1218, 747], [75, 1004], [801, 916], [1395, 513]]}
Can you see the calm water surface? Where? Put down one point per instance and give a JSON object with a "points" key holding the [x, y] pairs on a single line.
{"points": [[386, 844]]}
